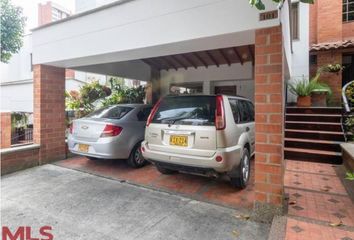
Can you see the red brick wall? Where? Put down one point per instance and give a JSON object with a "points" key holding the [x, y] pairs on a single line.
{"points": [[326, 23], [49, 112], [44, 13], [15, 161], [269, 104], [313, 23], [329, 21], [348, 31], [332, 79], [5, 130]]}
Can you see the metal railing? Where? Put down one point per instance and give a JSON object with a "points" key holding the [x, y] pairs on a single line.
{"points": [[21, 136], [347, 113]]}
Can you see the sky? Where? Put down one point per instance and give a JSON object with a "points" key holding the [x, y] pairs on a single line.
{"points": [[30, 10]]}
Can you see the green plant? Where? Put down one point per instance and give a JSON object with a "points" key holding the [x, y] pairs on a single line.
{"points": [[350, 176], [12, 29], [302, 88], [349, 123], [125, 95], [322, 87], [260, 5], [334, 68], [19, 119], [83, 101], [349, 92]]}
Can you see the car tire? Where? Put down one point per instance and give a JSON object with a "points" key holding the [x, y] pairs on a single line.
{"points": [[165, 171], [136, 159], [243, 171]]}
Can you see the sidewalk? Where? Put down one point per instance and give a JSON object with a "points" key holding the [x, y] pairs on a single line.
{"points": [[317, 198]]}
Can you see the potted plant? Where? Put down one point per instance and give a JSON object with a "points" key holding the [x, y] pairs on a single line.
{"points": [[321, 91], [333, 68], [320, 94], [303, 89]]}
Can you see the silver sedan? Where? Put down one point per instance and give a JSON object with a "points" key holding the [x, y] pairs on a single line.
{"points": [[113, 132]]}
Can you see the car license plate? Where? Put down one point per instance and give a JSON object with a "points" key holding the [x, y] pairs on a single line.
{"points": [[83, 147], [178, 140]]}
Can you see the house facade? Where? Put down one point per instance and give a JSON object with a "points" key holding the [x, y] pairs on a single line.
{"points": [[332, 41], [193, 46]]}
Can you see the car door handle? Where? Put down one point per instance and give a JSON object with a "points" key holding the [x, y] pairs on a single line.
{"points": [[247, 129]]}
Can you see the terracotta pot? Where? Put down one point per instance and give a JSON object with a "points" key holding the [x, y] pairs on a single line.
{"points": [[304, 101], [319, 99]]}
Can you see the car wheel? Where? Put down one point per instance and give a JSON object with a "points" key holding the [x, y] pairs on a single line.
{"points": [[165, 171], [243, 171], [136, 159], [93, 158]]}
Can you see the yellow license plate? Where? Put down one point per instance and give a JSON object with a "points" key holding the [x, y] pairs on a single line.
{"points": [[83, 147], [178, 140]]}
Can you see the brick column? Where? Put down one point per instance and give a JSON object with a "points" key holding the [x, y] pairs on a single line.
{"points": [[269, 105], [5, 130], [49, 112]]}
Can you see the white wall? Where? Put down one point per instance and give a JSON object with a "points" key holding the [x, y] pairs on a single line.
{"points": [[300, 55], [146, 28], [236, 74], [19, 66], [17, 97], [285, 23], [89, 77]]}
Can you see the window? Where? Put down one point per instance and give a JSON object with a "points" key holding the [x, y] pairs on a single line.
{"points": [[144, 114], [245, 115], [243, 111], [348, 10], [313, 59], [295, 20], [250, 110], [186, 110], [112, 112], [234, 109]]}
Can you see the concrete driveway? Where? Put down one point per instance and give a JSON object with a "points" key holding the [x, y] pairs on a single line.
{"points": [[83, 206]]}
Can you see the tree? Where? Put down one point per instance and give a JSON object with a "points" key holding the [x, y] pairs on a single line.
{"points": [[260, 5], [12, 29]]}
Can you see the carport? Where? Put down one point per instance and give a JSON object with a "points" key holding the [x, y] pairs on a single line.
{"points": [[213, 46]]}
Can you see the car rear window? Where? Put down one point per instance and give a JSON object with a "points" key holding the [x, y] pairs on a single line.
{"points": [[186, 110], [111, 112]]}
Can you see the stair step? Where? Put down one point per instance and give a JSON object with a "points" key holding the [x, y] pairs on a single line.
{"points": [[317, 135], [314, 110], [325, 145], [320, 126], [335, 118], [311, 155]]}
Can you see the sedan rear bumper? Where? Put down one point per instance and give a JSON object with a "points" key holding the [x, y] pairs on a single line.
{"points": [[106, 149]]}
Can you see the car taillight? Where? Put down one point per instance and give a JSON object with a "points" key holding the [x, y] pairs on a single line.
{"points": [[111, 131], [153, 112], [220, 123], [71, 128]]}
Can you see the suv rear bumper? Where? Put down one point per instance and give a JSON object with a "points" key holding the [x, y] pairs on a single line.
{"points": [[230, 158]]}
